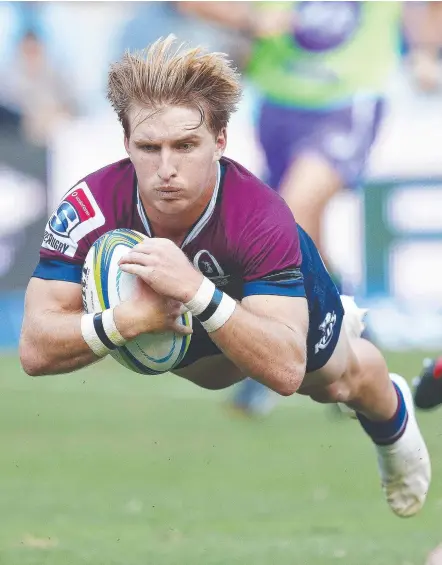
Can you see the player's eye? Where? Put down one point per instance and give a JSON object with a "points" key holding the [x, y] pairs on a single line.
{"points": [[150, 148], [186, 146]]}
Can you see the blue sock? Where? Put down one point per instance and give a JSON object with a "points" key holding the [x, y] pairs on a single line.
{"points": [[388, 432]]}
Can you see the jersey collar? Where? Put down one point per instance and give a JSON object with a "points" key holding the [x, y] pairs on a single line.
{"points": [[199, 224]]}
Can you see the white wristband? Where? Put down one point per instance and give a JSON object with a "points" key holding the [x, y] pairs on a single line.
{"points": [[202, 297], [211, 306], [90, 336], [221, 315], [111, 329]]}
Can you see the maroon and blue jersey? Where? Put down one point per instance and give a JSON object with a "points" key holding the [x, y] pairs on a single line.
{"points": [[246, 240]]}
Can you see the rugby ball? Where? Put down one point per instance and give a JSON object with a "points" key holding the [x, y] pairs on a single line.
{"points": [[105, 285]]}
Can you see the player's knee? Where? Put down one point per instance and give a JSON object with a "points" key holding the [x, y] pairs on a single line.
{"points": [[330, 394], [368, 357], [346, 371]]}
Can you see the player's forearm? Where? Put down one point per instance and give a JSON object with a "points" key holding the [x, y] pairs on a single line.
{"points": [[53, 343], [265, 349]]}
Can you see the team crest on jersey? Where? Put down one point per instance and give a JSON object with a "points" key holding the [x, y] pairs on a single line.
{"points": [[326, 328], [206, 263], [76, 216]]}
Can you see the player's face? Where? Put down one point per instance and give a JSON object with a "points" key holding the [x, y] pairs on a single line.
{"points": [[174, 156]]}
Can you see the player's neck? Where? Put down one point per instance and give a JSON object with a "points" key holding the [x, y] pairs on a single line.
{"points": [[177, 226]]}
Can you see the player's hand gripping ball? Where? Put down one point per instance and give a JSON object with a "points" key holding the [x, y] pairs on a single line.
{"points": [[105, 285]]}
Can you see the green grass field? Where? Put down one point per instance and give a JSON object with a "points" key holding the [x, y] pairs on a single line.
{"points": [[105, 467]]}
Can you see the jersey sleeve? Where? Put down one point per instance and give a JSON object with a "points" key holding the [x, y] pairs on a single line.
{"points": [[270, 253], [69, 234]]}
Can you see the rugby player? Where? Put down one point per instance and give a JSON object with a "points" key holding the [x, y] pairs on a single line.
{"points": [[223, 244]]}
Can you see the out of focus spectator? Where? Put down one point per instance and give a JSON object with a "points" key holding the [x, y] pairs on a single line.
{"points": [[423, 42], [151, 20], [34, 89]]}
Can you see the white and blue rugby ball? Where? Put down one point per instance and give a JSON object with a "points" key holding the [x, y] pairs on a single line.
{"points": [[105, 285]]}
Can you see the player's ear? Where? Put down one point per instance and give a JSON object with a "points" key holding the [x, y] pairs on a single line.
{"points": [[126, 145], [221, 142]]}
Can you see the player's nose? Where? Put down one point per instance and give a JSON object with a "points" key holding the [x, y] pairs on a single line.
{"points": [[167, 168]]}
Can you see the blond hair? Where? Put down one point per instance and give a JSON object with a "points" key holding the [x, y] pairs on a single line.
{"points": [[165, 74]]}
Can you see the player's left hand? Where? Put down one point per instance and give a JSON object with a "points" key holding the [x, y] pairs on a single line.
{"points": [[164, 267]]}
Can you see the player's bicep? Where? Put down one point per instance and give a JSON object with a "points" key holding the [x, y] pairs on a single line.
{"points": [[288, 310], [51, 296]]}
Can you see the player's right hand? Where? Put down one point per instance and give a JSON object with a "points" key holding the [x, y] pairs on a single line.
{"points": [[148, 312]]}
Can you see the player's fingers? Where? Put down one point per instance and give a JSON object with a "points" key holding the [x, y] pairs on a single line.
{"points": [[136, 257], [136, 269], [181, 329], [175, 306], [143, 246], [173, 314], [183, 308], [151, 243]]}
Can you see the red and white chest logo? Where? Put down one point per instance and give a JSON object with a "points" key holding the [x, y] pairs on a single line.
{"points": [[75, 209]]}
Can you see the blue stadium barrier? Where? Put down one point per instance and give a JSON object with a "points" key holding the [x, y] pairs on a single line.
{"points": [[11, 315]]}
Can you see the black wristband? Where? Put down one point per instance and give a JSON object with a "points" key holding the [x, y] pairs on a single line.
{"points": [[211, 307], [99, 328]]}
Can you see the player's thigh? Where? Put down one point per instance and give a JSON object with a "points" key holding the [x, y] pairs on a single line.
{"points": [[214, 373], [308, 184], [341, 366], [332, 155]]}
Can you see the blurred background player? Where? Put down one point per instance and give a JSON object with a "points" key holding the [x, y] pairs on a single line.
{"points": [[320, 69], [422, 32], [428, 386], [36, 90]]}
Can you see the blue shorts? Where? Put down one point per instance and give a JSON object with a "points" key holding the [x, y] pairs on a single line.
{"points": [[325, 313]]}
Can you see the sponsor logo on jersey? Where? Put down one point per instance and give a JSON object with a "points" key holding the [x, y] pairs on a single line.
{"points": [[326, 328], [54, 243], [76, 216], [206, 263], [74, 209]]}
